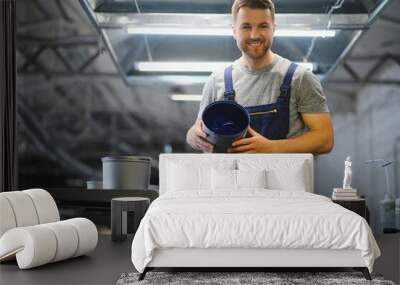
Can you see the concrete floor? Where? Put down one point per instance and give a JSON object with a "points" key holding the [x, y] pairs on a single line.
{"points": [[110, 259], [103, 266]]}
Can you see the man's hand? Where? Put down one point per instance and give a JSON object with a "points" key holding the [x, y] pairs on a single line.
{"points": [[197, 138], [317, 140], [254, 144]]}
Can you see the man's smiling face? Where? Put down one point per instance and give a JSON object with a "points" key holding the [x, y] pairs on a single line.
{"points": [[253, 31]]}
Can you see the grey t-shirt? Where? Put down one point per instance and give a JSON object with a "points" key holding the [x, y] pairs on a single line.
{"points": [[262, 87]]}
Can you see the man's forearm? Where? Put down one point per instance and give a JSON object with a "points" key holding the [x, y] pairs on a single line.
{"points": [[315, 142]]}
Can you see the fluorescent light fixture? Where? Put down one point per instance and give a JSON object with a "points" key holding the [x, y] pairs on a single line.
{"points": [[186, 97], [179, 66], [183, 79], [186, 66], [225, 32], [305, 33], [180, 31]]}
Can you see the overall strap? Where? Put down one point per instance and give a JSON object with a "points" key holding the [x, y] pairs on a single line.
{"points": [[229, 93], [287, 80]]}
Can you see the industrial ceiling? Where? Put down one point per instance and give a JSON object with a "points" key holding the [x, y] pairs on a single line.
{"points": [[172, 32]]}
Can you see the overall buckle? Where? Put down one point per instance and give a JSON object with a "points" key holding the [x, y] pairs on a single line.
{"points": [[285, 90], [230, 95]]}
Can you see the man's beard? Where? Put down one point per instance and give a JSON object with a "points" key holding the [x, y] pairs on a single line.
{"points": [[256, 54]]}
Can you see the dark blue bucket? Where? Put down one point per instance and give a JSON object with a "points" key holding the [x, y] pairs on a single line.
{"points": [[224, 122]]}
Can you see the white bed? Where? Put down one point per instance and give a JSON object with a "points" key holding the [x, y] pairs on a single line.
{"points": [[225, 210]]}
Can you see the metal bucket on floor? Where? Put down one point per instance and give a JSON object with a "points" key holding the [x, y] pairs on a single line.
{"points": [[126, 172], [224, 122]]}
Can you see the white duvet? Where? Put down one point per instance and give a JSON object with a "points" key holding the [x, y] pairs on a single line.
{"points": [[252, 218]]}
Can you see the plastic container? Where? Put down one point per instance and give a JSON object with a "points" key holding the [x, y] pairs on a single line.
{"points": [[224, 122], [387, 212], [126, 172]]}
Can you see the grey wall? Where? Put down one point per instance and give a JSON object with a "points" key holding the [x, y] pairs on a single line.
{"points": [[371, 131]]}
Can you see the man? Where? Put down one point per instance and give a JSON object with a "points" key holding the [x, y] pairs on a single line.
{"points": [[286, 103]]}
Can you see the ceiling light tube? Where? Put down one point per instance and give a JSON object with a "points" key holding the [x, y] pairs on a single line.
{"points": [[183, 79], [225, 32], [202, 66], [305, 33], [179, 66], [186, 97], [180, 31]]}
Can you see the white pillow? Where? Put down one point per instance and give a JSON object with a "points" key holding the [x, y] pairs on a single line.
{"points": [[251, 178], [195, 174], [281, 175], [183, 177], [223, 179], [226, 179], [293, 180]]}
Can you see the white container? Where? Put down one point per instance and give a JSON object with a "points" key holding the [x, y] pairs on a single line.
{"points": [[126, 172], [387, 209], [397, 213]]}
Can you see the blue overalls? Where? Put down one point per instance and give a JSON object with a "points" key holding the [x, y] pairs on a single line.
{"points": [[270, 120]]}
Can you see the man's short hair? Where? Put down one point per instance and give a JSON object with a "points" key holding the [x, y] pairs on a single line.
{"points": [[253, 4]]}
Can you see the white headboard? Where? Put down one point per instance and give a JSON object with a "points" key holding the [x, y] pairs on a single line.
{"points": [[210, 159]]}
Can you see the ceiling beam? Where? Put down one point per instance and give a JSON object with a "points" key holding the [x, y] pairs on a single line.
{"points": [[42, 10], [63, 11], [90, 60], [343, 55], [65, 62], [351, 71], [60, 74], [57, 45], [62, 41], [368, 78], [370, 57], [375, 68], [31, 59], [392, 20], [96, 4]]}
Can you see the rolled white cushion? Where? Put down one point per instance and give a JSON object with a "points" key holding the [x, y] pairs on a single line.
{"points": [[87, 235], [37, 245], [45, 206], [23, 208], [67, 240], [7, 218], [33, 246]]}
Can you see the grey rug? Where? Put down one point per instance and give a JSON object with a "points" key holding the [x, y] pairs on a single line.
{"points": [[229, 278]]}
